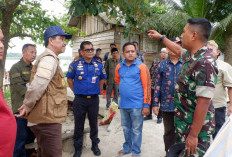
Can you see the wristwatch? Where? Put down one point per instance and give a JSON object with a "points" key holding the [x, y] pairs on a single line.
{"points": [[162, 38]]}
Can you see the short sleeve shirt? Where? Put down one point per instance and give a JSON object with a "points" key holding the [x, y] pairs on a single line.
{"points": [[86, 76], [224, 81], [197, 77]]}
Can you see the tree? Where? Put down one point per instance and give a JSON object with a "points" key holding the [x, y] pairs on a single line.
{"points": [[135, 15], [24, 19], [219, 12], [166, 16]]}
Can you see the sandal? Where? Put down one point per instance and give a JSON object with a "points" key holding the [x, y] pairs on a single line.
{"points": [[121, 153]]}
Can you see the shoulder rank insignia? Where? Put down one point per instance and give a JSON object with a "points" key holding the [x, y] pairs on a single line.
{"points": [[76, 60]]}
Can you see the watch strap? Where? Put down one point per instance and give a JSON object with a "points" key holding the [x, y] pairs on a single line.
{"points": [[162, 38]]}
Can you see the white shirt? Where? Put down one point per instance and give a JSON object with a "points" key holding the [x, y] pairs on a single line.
{"points": [[224, 80]]}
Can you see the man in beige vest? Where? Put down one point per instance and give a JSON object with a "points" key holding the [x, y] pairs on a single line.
{"points": [[45, 102]]}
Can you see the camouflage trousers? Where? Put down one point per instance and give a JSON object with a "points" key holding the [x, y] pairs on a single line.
{"points": [[203, 145]]}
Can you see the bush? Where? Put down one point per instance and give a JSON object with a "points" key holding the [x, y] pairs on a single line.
{"points": [[6, 95]]}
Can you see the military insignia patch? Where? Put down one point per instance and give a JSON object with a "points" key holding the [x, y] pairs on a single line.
{"points": [[26, 72]]}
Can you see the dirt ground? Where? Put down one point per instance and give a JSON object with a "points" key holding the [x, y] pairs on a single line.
{"points": [[112, 138]]}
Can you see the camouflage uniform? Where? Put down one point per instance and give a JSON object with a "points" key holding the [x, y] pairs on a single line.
{"points": [[197, 77]]}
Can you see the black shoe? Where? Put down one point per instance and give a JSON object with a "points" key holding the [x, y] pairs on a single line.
{"points": [[77, 153], [147, 117], [159, 120], [96, 150]]}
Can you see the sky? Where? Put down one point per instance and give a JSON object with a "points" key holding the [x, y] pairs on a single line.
{"points": [[53, 7]]}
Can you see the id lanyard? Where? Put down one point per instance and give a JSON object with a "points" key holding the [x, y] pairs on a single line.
{"points": [[94, 78]]}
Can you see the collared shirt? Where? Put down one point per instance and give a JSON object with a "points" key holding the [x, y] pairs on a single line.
{"points": [[134, 85], [165, 83], [224, 80], [153, 71], [20, 74], [46, 70], [110, 66], [86, 76], [197, 78]]}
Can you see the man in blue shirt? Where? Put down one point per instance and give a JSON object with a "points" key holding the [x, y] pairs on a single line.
{"points": [[164, 94], [134, 82], [84, 76]]}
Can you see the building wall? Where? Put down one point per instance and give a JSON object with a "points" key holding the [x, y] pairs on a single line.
{"points": [[151, 49], [100, 40], [94, 24], [102, 34]]}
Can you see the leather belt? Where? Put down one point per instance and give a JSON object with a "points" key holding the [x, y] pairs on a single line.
{"points": [[87, 96]]}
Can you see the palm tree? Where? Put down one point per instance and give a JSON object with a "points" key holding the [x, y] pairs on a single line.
{"points": [[166, 16], [219, 12]]}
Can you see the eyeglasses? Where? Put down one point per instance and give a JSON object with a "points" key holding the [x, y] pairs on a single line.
{"points": [[88, 50]]}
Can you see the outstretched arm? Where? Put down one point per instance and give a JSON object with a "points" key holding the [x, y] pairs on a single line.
{"points": [[168, 43]]}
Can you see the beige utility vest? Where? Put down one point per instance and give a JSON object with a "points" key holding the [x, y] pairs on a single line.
{"points": [[52, 106]]}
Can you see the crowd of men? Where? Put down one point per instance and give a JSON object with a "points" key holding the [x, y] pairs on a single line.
{"points": [[187, 87]]}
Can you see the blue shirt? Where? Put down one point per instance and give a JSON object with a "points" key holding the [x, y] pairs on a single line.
{"points": [[86, 76], [165, 82], [133, 83]]}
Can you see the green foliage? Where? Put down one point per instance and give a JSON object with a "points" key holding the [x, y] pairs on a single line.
{"points": [[7, 95], [138, 15], [166, 16], [219, 12]]}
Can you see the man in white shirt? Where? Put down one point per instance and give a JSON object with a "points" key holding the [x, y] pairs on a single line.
{"points": [[224, 85]]}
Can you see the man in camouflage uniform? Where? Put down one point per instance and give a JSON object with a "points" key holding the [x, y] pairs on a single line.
{"points": [[19, 81], [194, 112]]}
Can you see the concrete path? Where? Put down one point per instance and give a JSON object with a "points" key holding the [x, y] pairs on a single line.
{"points": [[111, 141]]}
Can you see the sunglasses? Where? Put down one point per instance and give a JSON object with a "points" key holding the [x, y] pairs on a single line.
{"points": [[88, 50]]}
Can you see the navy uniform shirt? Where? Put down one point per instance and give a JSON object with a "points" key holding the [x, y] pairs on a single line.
{"points": [[86, 76]]}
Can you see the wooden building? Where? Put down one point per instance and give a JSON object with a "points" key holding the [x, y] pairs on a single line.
{"points": [[102, 31]]}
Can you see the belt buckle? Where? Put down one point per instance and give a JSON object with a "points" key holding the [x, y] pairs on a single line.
{"points": [[88, 97]]}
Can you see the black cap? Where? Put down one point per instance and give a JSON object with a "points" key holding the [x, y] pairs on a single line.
{"points": [[98, 49]]}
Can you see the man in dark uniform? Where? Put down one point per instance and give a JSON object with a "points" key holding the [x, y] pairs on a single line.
{"points": [[97, 55], [85, 77], [106, 56], [19, 81]]}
